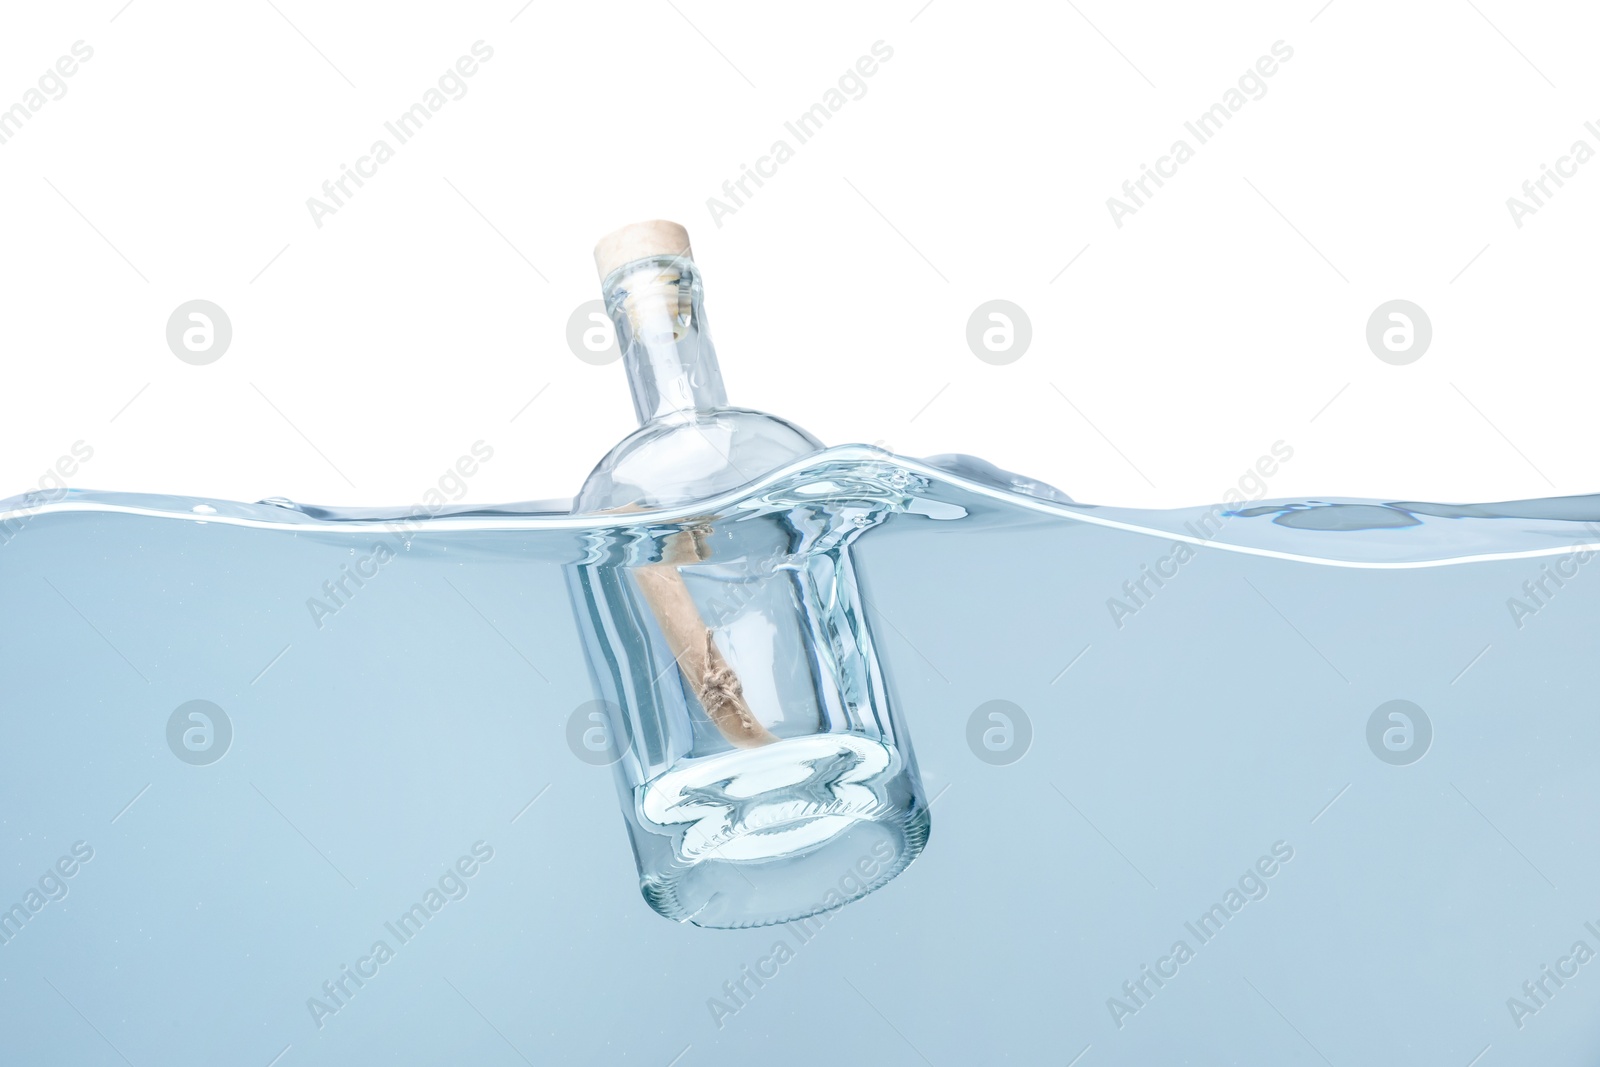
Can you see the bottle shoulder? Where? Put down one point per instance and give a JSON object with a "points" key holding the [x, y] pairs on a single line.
{"points": [[690, 455]]}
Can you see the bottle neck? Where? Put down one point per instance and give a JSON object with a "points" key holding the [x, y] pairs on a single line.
{"points": [[658, 308]]}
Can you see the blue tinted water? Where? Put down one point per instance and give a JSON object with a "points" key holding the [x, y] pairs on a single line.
{"points": [[1343, 753]]}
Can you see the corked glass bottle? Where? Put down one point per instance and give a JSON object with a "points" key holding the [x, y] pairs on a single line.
{"points": [[763, 774]]}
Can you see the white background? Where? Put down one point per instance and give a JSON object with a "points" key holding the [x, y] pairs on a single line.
{"points": [[1227, 314]]}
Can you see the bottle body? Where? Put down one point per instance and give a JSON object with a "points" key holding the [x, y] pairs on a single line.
{"points": [[813, 803], [762, 771]]}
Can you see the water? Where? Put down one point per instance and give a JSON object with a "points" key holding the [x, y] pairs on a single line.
{"points": [[1341, 752]]}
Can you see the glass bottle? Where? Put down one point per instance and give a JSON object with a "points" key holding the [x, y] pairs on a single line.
{"points": [[762, 771]]}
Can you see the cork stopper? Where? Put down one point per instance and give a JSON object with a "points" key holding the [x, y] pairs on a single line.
{"points": [[641, 240]]}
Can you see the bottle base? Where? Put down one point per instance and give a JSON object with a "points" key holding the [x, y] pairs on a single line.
{"points": [[779, 833]]}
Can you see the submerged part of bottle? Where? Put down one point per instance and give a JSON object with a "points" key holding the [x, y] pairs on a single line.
{"points": [[744, 824], [762, 766]]}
